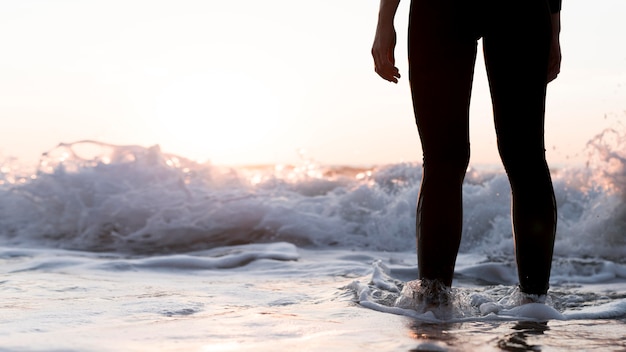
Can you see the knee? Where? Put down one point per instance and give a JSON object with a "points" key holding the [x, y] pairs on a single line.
{"points": [[448, 162], [517, 158], [528, 172]]}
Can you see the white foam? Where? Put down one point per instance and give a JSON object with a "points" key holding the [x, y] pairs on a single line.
{"points": [[614, 309], [142, 200], [488, 303], [534, 311]]}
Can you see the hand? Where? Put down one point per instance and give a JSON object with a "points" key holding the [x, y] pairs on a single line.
{"points": [[383, 52], [554, 61]]}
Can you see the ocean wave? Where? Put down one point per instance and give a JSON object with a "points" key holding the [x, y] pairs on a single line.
{"points": [[94, 196]]}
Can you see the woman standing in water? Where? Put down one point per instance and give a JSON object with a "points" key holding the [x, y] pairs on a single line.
{"points": [[522, 54]]}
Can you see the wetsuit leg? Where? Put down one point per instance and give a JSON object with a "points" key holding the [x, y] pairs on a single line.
{"points": [[441, 67], [516, 48]]}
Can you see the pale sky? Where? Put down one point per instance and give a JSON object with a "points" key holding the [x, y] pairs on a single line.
{"points": [[250, 82]]}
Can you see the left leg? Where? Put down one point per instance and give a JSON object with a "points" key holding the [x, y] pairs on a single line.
{"points": [[516, 49]]}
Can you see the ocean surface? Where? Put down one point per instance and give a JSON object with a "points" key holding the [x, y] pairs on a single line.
{"points": [[127, 248]]}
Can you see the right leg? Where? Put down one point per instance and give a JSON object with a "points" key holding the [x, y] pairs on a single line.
{"points": [[441, 67]]}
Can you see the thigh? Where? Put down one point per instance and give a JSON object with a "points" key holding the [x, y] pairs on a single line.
{"points": [[442, 52], [516, 48]]}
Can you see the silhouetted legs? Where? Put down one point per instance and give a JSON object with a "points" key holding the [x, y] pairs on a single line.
{"points": [[442, 50]]}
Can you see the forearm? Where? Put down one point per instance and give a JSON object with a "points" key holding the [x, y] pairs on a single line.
{"points": [[387, 11]]}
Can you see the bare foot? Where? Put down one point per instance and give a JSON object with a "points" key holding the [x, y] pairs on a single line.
{"points": [[426, 296]]}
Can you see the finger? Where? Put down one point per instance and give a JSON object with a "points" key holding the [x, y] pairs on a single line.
{"points": [[552, 77], [386, 68], [551, 74], [388, 72], [554, 69]]}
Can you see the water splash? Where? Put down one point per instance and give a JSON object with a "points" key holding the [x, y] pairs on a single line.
{"points": [[95, 196]]}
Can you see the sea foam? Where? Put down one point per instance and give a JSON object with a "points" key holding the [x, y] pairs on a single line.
{"points": [[95, 196]]}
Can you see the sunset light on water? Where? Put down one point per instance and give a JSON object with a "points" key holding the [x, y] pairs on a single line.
{"points": [[200, 175]]}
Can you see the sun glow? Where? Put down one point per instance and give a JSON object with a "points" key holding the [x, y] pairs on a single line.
{"points": [[216, 116]]}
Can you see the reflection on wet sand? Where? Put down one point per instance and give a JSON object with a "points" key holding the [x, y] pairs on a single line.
{"points": [[432, 337], [518, 340]]}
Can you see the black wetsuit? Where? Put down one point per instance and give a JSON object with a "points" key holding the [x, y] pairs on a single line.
{"points": [[516, 37]]}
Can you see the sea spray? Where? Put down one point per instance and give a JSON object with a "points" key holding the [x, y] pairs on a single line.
{"points": [[95, 196]]}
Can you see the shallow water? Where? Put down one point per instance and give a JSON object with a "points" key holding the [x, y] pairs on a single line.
{"points": [[79, 301]]}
